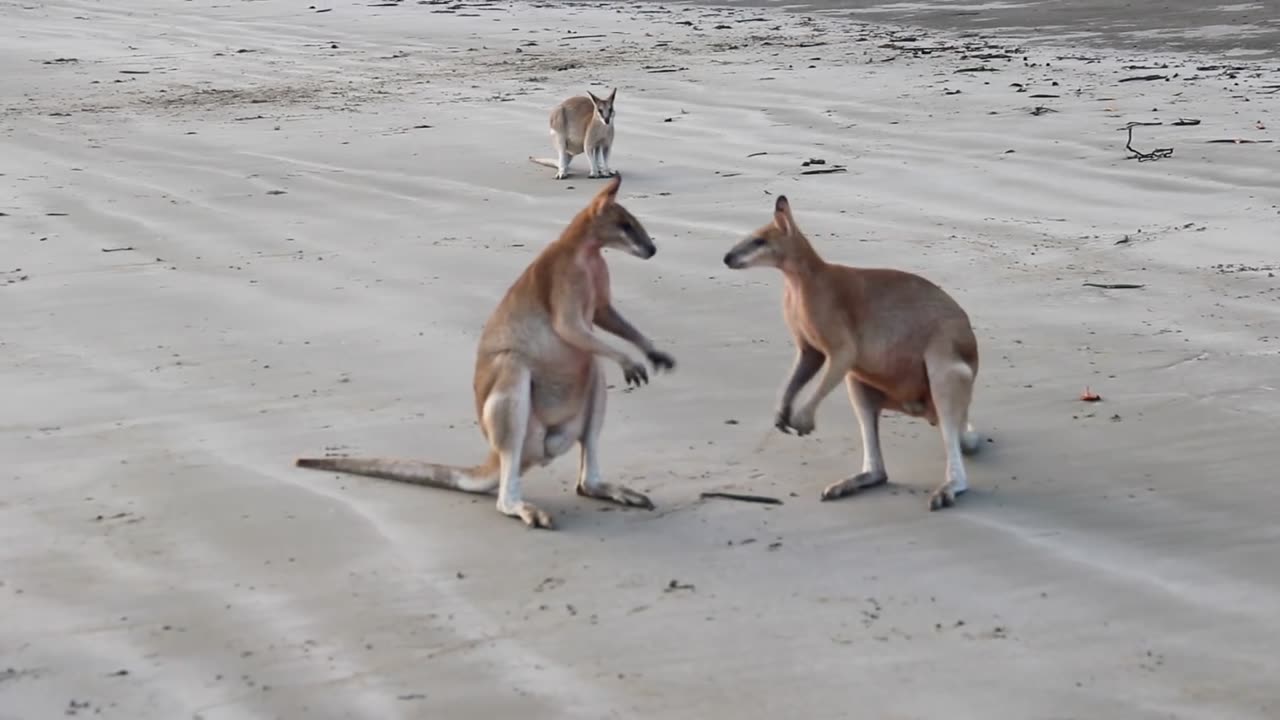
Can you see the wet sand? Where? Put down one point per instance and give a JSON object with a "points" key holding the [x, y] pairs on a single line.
{"points": [[1233, 29]]}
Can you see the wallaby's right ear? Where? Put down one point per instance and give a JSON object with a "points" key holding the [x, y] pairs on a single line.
{"points": [[782, 215], [594, 100], [607, 195]]}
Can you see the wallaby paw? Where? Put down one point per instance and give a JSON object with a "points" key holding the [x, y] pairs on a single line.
{"points": [[802, 422], [635, 374], [619, 494], [854, 484]]}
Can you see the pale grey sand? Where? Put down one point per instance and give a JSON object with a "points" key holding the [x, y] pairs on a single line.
{"points": [[308, 272]]}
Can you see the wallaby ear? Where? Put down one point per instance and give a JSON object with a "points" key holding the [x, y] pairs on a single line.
{"points": [[612, 93], [782, 215], [607, 195], [594, 100]]}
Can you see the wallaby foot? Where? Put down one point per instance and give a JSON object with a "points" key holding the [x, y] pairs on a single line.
{"points": [[530, 514], [944, 496], [851, 485], [620, 494]]}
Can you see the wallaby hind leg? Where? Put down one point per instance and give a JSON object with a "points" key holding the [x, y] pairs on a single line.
{"points": [[951, 385], [563, 157], [867, 402], [593, 157], [590, 483], [604, 160], [506, 423]]}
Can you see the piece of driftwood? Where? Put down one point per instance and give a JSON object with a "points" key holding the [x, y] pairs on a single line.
{"points": [[762, 499], [1156, 154]]}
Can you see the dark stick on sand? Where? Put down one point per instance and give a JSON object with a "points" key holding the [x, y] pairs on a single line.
{"points": [[1156, 154], [762, 499], [1115, 286]]}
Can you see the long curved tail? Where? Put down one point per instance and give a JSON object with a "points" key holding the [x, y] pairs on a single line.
{"points": [[482, 478], [546, 162]]}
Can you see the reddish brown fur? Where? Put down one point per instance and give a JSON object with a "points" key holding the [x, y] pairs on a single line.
{"points": [[886, 330], [539, 388]]}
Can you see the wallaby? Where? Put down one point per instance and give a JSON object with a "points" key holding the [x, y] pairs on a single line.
{"points": [[582, 124], [897, 340], [539, 387]]}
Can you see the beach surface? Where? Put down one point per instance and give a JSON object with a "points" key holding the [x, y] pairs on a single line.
{"points": [[237, 233], [1249, 29]]}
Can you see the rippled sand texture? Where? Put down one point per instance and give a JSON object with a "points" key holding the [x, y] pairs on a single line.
{"points": [[237, 233]]}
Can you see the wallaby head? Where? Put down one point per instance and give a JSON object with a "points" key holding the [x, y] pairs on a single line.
{"points": [[613, 226], [604, 106], [773, 245]]}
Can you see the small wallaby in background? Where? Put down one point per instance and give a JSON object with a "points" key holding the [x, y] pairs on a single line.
{"points": [[539, 384], [898, 341], [582, 124]]}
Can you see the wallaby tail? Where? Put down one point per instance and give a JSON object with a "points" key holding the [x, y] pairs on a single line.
{"points": [[547, 162], [482, 478]]}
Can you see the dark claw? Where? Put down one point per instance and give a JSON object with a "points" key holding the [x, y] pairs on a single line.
{"points": [[636, 375], [782, 420], [660, 360]]}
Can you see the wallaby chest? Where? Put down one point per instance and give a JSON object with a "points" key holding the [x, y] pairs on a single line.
{"points": [[812, 318], [595, 282]]}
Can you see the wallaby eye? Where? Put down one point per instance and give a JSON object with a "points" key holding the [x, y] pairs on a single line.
{"points": [[758, 242]]}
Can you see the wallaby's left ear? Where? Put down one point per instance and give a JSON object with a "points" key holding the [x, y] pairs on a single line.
{"points": [[612, 94], [607, 195], [782, 215]]}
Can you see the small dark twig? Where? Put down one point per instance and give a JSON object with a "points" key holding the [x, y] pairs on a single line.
{"points": [[1156, 154], [1143, 77], [762, 499], [1115, 286], [824, 171], [675, 585], [117, 249]]}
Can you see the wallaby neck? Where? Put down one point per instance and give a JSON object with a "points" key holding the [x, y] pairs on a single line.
{"points": [[802, 260]]}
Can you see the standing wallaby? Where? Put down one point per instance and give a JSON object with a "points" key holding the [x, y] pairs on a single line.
{"points": [[897, 340], [539, 386], [582, 124]]}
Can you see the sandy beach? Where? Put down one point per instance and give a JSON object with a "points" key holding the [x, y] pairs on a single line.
{"points": [[237, 233]]}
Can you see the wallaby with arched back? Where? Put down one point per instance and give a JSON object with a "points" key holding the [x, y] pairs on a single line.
{"points": [[898, 341]]}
